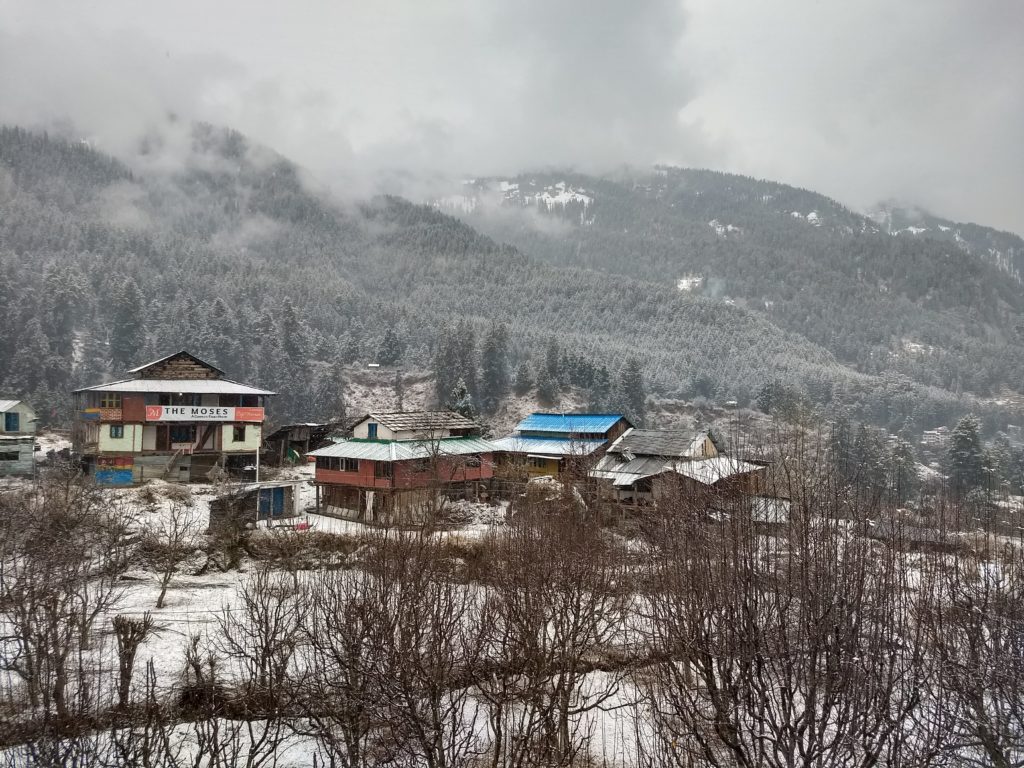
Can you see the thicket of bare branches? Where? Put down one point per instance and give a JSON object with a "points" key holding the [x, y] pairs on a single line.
{"points": [[725, 641]]}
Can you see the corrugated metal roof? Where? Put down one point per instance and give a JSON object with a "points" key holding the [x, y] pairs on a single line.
{"points": [[611, 467], [710, 471], [706, 471], [6, 405], [191, 386], [175, 354], [543, 446], [405, 450], [421, 421], [568, 422]]}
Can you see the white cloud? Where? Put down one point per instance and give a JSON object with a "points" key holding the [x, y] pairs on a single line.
{"points": [[862, 101]]}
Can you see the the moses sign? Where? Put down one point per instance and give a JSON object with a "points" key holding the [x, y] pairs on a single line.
{"points": [[201, 413]]}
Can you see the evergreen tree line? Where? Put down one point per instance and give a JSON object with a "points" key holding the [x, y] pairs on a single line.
{"points": [[238, 261]]}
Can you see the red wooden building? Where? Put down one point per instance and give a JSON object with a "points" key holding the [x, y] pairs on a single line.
{"points": [[397, 465]]}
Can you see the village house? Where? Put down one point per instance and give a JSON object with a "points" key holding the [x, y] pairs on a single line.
{"points": [[292, 442], [645, 465], [396, 465], [551, 443], [17, 438], [175, 418]]}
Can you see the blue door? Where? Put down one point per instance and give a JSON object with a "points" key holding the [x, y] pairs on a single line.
{"points": [[12, 422], [271, 502]]}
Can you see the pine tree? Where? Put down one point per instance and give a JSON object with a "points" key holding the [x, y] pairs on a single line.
{"points": [[600, 393], [547, 387], [966, 460], [128, 328], [904, 480], [329, 396], [494, 379], [524, 379], [461, 400], [392, 347], [629, 394]]}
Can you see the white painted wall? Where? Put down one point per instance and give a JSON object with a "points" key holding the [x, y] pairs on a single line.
{"points": [[251, 443], [131, 442]]}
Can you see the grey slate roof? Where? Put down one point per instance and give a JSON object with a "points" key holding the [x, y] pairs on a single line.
{"points": [[662, 442], [421, 421]]}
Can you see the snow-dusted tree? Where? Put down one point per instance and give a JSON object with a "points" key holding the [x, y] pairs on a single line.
{"points": [[629, 395], [524, 378], [494, 378], [461, 401], [965, 459], [128, 324], [392, 347]]}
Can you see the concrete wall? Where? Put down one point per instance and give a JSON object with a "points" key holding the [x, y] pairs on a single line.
{"points": [[131, 442], [26, 425], [251, 443], [361, 430], [22, 465]]}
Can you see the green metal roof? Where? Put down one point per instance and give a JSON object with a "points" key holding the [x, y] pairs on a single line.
{"points": [[404, 450]]}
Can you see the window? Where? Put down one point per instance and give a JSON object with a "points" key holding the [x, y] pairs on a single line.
{"points": [[371, 431], [473, 461], [539, 462], [110, 400], [421, 465], [116, 431], [238, 433], [326, 462], [183, 433], [382, 469], [12, 422], [8, 455], [336, 464]]}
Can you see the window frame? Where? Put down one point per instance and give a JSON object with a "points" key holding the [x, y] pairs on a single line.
{"points": [[382, 470], [235, 432], [348, 465], [6, 454], [371, 431], [110, 400], [119, 434], [9, 417]]}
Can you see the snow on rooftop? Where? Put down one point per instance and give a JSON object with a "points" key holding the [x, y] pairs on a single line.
{"points": [[690, 283]]}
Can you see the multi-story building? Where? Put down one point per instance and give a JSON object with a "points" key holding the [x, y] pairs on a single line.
{"points": [[17, 438], [396, 466], [175, 418], [552, 443]]}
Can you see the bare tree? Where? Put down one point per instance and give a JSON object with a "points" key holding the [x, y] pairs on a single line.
{"points": [[427, 639], [63, 548], [130, 634], [972, 609], [555, 606], [171, 540], [794, 651]]}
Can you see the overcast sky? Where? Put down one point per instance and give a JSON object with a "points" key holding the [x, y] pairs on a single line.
{"points": [[863, 101]]}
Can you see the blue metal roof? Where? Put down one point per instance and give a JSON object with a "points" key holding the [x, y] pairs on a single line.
{"points": [[579, 423]]}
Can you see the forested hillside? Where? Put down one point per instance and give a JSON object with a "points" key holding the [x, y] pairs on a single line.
{"points": [[937, 302], [231, 253]]}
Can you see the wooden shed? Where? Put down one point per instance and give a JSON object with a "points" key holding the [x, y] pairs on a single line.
{"points": [[250, 504]]}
